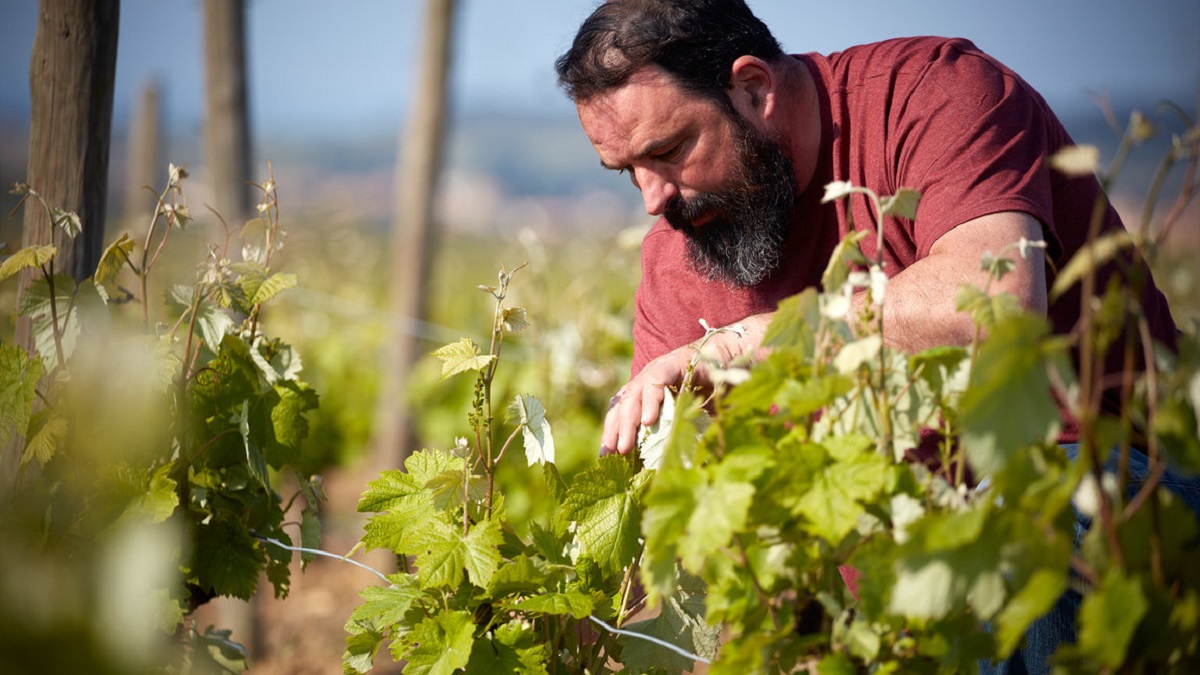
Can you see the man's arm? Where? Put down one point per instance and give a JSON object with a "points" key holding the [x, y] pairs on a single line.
{"points": [[918, 313]]}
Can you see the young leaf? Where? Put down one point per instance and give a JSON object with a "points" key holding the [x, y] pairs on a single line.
{"points": [[654, 439], [603, 503], [837, 189], [448, 553], [572, 603], [516, 319], [46, 433], [67, 221], [30, 256], [1090, 257], [512, 648], [254, 456], [529, 412], [385, 606], [1008, 405], [115, 257], [212, 320], [1109, 617], [19, 376], [439, 645], [1076, 160], [226, 559], [461, 356], [903, 204], [837, 496], [681, 623], [310, 535]]}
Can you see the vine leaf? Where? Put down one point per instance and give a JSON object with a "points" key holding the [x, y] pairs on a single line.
{"points": [[572, 602], [439, 645], [462, 356], [513, 648], [1089, 257], [115, 257], [654, 440], [19, 376], [1008, 405], [530, 414], [448, 553], [680, 623], [1108, 618], [836, 498], [30, 256], [603, 504]]}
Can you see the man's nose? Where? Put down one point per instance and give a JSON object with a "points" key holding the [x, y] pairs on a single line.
{"points": [[657, 191]]}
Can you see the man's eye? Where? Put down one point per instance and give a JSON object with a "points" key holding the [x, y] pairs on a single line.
{"points": [[670, 154]]}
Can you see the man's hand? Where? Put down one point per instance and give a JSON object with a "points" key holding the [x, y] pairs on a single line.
{"points": [[639, 402]]}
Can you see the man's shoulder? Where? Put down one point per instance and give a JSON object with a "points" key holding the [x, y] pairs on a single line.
{"points": [[903, 52]]}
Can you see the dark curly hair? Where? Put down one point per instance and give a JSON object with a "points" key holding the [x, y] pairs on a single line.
{"points": [[696, 41]]}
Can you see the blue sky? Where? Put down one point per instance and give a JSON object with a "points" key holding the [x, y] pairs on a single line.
{"points": [[345, 67]]}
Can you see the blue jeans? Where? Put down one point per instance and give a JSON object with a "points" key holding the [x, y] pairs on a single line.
{"points": [[1058, 625]]}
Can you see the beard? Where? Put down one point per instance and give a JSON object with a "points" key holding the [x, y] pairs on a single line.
{"points": [[743, 243]]}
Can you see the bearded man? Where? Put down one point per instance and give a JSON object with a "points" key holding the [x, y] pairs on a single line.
{"points": [[731, 141]]}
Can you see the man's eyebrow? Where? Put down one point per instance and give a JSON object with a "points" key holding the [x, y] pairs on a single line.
{"points": [[648, 149]]}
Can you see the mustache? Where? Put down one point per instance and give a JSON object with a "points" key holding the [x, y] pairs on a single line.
{"points": [[681, 213]]}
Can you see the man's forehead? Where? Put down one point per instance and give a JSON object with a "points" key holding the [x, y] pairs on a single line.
{"points": [[650, 105]]}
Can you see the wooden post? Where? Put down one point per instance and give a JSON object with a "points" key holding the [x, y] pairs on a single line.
{"points": [[226, 119], [71, 73], [143, 165], [413, 234]]}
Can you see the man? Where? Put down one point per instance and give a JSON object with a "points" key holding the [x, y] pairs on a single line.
{"points": [[731, 143]]}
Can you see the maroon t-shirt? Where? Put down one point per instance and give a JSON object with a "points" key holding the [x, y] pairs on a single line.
{"points": [[931, 114]]}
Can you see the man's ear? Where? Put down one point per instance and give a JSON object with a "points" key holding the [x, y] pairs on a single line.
{"points": [[752, 87]]}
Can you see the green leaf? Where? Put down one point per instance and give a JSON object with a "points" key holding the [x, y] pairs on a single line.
{"points": [[986, 310], [846, 255], [67, 221], [794, 322], [720, 511], [227, 560], [572, 602], [513, 648], [310, 535], [272, 286], [681, 623], [1090, 257], [114, 258], [159, 500], [361, 648], [28, 257], [385, 606], [603, 504], [449, 553], [838, 494], [19, 376], [462, 356], [212, 321], [1108, 618], [439, 645], [1037, 597], [47, 429], [1008, 406], [254, 456], [903, 204], [529, 412], [35, 304]]}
